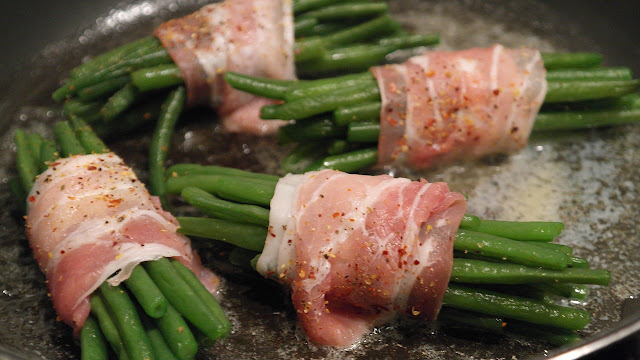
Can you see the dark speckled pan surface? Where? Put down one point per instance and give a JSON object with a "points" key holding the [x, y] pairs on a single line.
{"points": [[587, 179]]}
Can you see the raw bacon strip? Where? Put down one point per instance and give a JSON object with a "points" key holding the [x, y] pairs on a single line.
{"points": [[90, 217], [446, 106], [253, 37], [359, 250]]}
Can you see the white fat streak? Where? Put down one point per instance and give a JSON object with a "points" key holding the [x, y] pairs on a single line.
{"points": [[321, 264], [467, 65], [525, 84], [214, 58], [423, 61], [288, 36], [130, 256], [103, 229], [495, 56], [406, 281], [278, 254]]}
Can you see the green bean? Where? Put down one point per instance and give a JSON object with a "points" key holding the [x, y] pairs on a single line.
{"points": [[579, 60], [521, 230], [113, 56], [66, 138], [303, 155], [345, 115], [184, 299], [158, 77], [127, 321], [119, 102], [246, 236], [48, 153], [34, 141], [323, 86], [322, 29], [161, 141], [552, 335], [177, 334], [138, 116], [124, 67], [574, 291], [250, 191], [348, 11], [310, 130], [102, 89], [105, 320], [92, 341], [552, 246], [600, 73], [300, 6], [146, 292], [308, 49], [345, 59], [225, 210], [75, 106], [579, 90], [339, 146], [484, 272], [27, 165], [87, 137], [347, 162], [363, 131], [303, 26], [578, 262], [570, 120], [515, 307], [380, 26], [197, 169], [455, 317], [406, 41], [519, 252], [470, 222], [303, 108], [273, 89], [201, 291], [161, 349]]}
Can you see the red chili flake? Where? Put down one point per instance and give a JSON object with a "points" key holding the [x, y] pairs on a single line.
{"points": [[416, 262], [385, 252], [319, 215], [335, 215], [32, 198], [402, 252], [91, 167], [496, 92]]}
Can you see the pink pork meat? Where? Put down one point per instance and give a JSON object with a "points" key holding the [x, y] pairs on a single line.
{"points": [[359, 250], [442, 107], [253, 37], [90, 220]]}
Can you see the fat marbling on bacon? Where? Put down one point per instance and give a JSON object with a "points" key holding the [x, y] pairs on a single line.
{"points": [[89, 218], [253, 37], [360, 250], [442, 106]]}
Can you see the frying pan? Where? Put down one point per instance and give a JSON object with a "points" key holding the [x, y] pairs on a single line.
{"points": [[587, 179]]}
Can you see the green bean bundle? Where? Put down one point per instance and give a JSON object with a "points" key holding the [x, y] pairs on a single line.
{"points": [[161, 308], [338, 120], [330, 37], [503, 272]]}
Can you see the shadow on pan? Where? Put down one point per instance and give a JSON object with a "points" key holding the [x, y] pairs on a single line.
{"points": [[49, 33]]}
